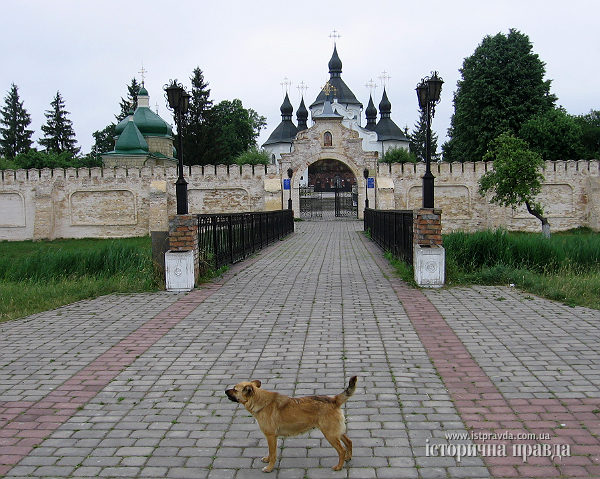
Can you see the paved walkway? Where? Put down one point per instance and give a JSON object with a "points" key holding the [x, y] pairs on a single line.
{"points": [[133, 385]]}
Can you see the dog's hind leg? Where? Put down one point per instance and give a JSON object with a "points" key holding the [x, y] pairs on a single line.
{"points": [[348, 443], [335, 442], [272, 442]]}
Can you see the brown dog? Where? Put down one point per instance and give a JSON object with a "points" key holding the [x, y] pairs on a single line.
{"points": [[279, 415]]}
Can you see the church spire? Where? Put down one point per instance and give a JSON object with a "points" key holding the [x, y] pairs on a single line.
{"points": [[286, 109], [302, 116], [371, 114], [385, 107], [335, 64]]}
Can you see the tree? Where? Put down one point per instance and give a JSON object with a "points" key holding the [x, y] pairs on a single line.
{"points": [[59, 134], [502, 86], [418, 139], [516, 178], [104, 140], [554, 134], [196, 137], [253, 156], [233, 129], [130, 103], [590, 136], [399, 155], [15, 138]]}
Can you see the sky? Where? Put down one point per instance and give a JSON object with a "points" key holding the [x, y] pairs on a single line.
{"points": [[89, 50]]}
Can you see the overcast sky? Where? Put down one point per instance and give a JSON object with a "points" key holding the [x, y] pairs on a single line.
{"points": [[90, 50]]}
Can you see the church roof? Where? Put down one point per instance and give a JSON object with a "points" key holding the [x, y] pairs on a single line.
{"points": [[131, 141], [341, 91], [148, 122], [286, 130], [327, 112], [386, 129], [371, 115], [302, 116]]}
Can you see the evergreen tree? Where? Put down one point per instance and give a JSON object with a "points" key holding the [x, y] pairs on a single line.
{"points": [[418, 139], [58, 130], [15, 138], [129, 103], [196, 131], [502, 86]]}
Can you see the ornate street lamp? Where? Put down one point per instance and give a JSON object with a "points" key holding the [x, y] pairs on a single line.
{"points": [[179, 101], [366, 175], [428, 93], [290, 173]]}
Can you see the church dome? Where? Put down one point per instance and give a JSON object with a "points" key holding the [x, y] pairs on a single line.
{"points": [[286, 107], [335, 64], [386, 129], [150, 124], [371, 115], [143, 91], [131, 141]]}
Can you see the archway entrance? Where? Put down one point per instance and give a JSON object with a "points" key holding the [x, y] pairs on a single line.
{"points": [[331, 191]]}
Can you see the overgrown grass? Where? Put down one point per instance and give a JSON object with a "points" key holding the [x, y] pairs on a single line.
{"points": [[565, 267], [42, 275]]}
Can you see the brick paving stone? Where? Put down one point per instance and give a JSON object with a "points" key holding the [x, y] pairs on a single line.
{"points": [[136, 382]]}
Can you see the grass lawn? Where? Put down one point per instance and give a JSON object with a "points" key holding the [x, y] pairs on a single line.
{"points": [[565, 267], [41, 275]]}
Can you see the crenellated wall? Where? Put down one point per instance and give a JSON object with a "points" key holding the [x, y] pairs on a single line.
{"points": [[120, 202], [570, 195]]}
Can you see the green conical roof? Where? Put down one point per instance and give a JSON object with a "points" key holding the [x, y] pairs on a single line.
{"points": [[131, 141]]}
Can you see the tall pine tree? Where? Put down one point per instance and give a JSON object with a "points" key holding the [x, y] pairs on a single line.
{"points": [[129, 103], [196, 132], [418, 139], [58, 130], [15, 138]]}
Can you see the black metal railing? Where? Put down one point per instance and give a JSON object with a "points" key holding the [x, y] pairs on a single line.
{"points": [[229, 238], [392, 230]]}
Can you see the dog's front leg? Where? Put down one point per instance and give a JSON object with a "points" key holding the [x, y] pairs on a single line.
{"points": [[272, 442]]}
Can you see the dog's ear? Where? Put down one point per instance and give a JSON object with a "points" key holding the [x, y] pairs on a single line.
{"points": [[256, 382], [248, 391]]}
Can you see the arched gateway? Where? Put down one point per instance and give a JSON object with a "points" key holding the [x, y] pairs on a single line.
{"points": [[332, 157]]}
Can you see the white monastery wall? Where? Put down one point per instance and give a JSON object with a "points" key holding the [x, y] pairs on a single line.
{"points": [[120, 202]]}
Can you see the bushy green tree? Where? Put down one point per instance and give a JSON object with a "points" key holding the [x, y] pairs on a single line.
{"points": [[47, 159], [502, 86], [516, 178], [399, 155], [590, 136], [233, 129], [59, 136], [418, 139], [253, 156], [15, 137], [554, 134]]}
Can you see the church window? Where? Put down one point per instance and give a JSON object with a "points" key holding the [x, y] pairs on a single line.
{"points": [[327, 139]]}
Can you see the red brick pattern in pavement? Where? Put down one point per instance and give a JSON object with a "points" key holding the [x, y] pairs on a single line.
{"points": [[24, 425], [484, 410]]}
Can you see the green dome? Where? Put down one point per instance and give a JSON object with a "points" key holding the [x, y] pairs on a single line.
{"points": [[150, 124], [143, 91], [131, 141]]}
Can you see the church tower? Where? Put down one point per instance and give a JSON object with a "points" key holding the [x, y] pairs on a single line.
{"points": [[282, 138]]}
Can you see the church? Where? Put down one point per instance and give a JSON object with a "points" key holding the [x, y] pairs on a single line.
{"points": [[335, 103]]}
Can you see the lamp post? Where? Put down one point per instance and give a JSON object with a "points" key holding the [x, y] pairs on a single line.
{"points": [[366, 175], [179, 101], [290, 173], [428, 93]]}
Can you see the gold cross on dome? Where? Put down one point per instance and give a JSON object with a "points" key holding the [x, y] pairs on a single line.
{"points": [[143, 72], [371, 85], [302, 87], [384, 77], [285, 84], [329, 88], [335, 35]]}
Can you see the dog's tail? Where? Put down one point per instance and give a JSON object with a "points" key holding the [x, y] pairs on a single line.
{"points": [[349, 391]]}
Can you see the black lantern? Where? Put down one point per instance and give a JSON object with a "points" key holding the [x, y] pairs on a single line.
{"points": [[366, 175], [290, 173], [179, 101], [428, 94]]}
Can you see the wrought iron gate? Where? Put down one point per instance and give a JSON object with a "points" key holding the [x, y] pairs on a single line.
{"points": [[319, 205]]}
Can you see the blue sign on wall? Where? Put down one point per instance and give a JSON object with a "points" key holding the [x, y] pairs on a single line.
{"points": [[286, 184], [370, 182]]}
